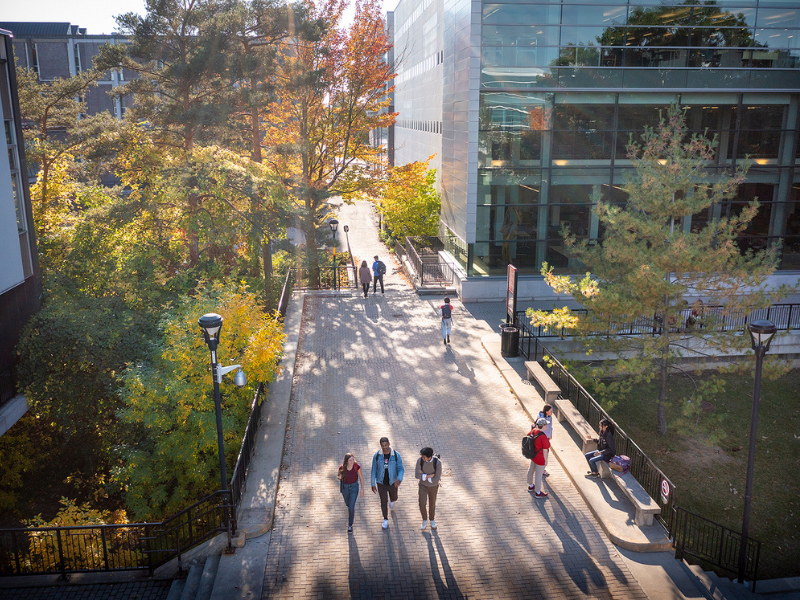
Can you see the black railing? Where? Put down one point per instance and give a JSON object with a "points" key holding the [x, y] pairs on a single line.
{"points": [[711, 318], [248, 447], [94, 548], [423, 254], [713, 544], [286, 294], [707, 542], [324, 278]]}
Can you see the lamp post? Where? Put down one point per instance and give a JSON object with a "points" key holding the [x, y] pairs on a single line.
{"points": [[350, 252], [761, 334], [211, 324], [334, 225]]}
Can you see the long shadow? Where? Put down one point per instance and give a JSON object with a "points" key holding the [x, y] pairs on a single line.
{"points": [[449, 587]]}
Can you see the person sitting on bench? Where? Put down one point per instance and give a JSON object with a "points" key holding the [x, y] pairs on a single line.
{"points": [[606, 450]]}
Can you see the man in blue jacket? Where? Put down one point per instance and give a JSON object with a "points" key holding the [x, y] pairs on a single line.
{"points": [[387, 474], [378, 271]]}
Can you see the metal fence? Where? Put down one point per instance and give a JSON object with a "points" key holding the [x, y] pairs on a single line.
{"points": [[248, 447], [96, 548], [711, 544], [423, 254], [711, 318], [324, 278], [286, 294]]}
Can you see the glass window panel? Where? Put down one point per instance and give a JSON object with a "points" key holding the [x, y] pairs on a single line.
{"points": [[589, 78], [589, 144], [778, 17], [760, 117], [656, 78], [720, 37], [655, 57], [583, 116], [598, 14], [635, 117], [577, 216], [657, 36], [585, 36], [513, 111], [508, 222], [775, 78], [529, 77], [777, 38], [758, 144], [520, 14], [519, 35], [712, 58], [9, 132], [530, 145]]}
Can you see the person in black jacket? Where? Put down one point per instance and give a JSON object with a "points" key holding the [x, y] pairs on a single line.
{"points": [[606, 450]]}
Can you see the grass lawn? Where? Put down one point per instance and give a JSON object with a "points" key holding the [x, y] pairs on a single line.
{"points": [[708, 463]]}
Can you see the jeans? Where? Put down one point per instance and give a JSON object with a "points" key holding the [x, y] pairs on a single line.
{"points": [[350, 495], [365, 287], [593, 460], [386, 492], [375, 280], [447, 326]]}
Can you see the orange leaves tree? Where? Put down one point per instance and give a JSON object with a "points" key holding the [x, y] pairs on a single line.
{"points": [[332, 90]]}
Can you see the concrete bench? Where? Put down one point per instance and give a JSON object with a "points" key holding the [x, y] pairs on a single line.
{"points": [[645, 506], [567, 412], [537, 373]]}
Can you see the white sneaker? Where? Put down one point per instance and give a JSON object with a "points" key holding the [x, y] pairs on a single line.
{"points": [[385, 524], [391, 504], [433, 523], [424, 525]]}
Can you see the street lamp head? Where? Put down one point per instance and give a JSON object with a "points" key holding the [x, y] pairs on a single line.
{"points": [[334, 224], [346, 229], [211, 324], [240, 379], [761, 333]]}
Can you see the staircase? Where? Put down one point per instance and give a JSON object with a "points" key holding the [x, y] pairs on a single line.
{"points": [[719, 588], [199, 583]]}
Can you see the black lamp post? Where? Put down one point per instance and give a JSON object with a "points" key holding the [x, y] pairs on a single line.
{"points": [[761, 334], [334, 225], [211, 324]]}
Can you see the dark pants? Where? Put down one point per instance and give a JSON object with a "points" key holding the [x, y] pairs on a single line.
{"points": [[350, 495], [427, 496], [386, 492], [375, 280], [365, 287]]}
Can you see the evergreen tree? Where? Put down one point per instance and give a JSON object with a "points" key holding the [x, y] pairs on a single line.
{"points": [[648, 262]]}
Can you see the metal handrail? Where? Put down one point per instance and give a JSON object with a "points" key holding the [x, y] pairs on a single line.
{"points": [[286, 293], [238, 482]]}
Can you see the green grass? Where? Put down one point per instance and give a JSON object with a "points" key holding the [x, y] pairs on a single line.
{"points": [[707, 462]]}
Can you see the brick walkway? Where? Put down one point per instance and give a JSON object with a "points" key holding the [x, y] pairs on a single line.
{"points": [[139, 590], [368, 368]]}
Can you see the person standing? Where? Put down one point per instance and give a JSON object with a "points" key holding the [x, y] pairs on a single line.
{"points": [[349, 478], [541, 447], [429, 472], [606, 448], [378, 271], [365, 276], [386, 477], [446, 312], [547, 414]]}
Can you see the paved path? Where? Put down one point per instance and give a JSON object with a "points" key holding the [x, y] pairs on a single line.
{"points": [[140, 590], [375, 367]]}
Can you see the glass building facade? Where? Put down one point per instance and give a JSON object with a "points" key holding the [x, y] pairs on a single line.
{"points": [[564, 86]]}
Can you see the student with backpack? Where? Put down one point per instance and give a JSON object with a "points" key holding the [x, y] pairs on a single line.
{"points": [[387, 475], [536, 447], [446, 312], [429, 472], [378, 271]]}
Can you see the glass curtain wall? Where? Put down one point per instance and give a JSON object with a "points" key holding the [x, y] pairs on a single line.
{"points": [[566, 86]]}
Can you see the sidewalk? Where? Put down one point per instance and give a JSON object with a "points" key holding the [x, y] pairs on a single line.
{"points": [[377, 366]]}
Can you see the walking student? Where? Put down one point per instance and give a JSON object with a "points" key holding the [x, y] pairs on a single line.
{"points": [[429, 472], [446, 312], [606, 448], [386, 477], [365, 276], [378, 271], [547, 414], [541, 447], [349, 479]]}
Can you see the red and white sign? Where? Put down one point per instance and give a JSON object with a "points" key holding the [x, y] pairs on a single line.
{"points": [[664, 490]]}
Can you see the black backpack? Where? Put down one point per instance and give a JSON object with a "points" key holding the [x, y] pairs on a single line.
{"points": [[381, 268], [529, 447], [446, 311]]}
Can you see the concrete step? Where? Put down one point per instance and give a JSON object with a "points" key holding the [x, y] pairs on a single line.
{"points": [[704, 582], [192, 582], [241, 575], [208, 578], [176, 589]]}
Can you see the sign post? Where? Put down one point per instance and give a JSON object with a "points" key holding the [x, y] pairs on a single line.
{"points": [[511, 294]]}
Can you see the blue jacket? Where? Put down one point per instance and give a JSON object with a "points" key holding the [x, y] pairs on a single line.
{"points": [[375, 268], [396, 469]]}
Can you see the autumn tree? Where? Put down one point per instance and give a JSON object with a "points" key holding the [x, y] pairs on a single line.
{"points": [[409, 200], [650, 261], [169, 459], [332, 89]]}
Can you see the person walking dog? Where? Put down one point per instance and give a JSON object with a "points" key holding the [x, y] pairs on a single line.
{"points": [[365, 276], [429, 472], [349, 478], [446, 312], [386, 477]]}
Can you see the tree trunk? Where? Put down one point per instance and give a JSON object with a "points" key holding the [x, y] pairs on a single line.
{"points": [[194, 244], [663, 369], [311, 244]]}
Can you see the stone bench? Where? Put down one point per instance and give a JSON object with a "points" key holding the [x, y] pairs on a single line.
{"points": [[567, 412], [537, 373], [645, 506]]}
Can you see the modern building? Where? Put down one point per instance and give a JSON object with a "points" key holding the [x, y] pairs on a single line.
{"points": [[61, 50], [20, 279], [529, 106]]}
